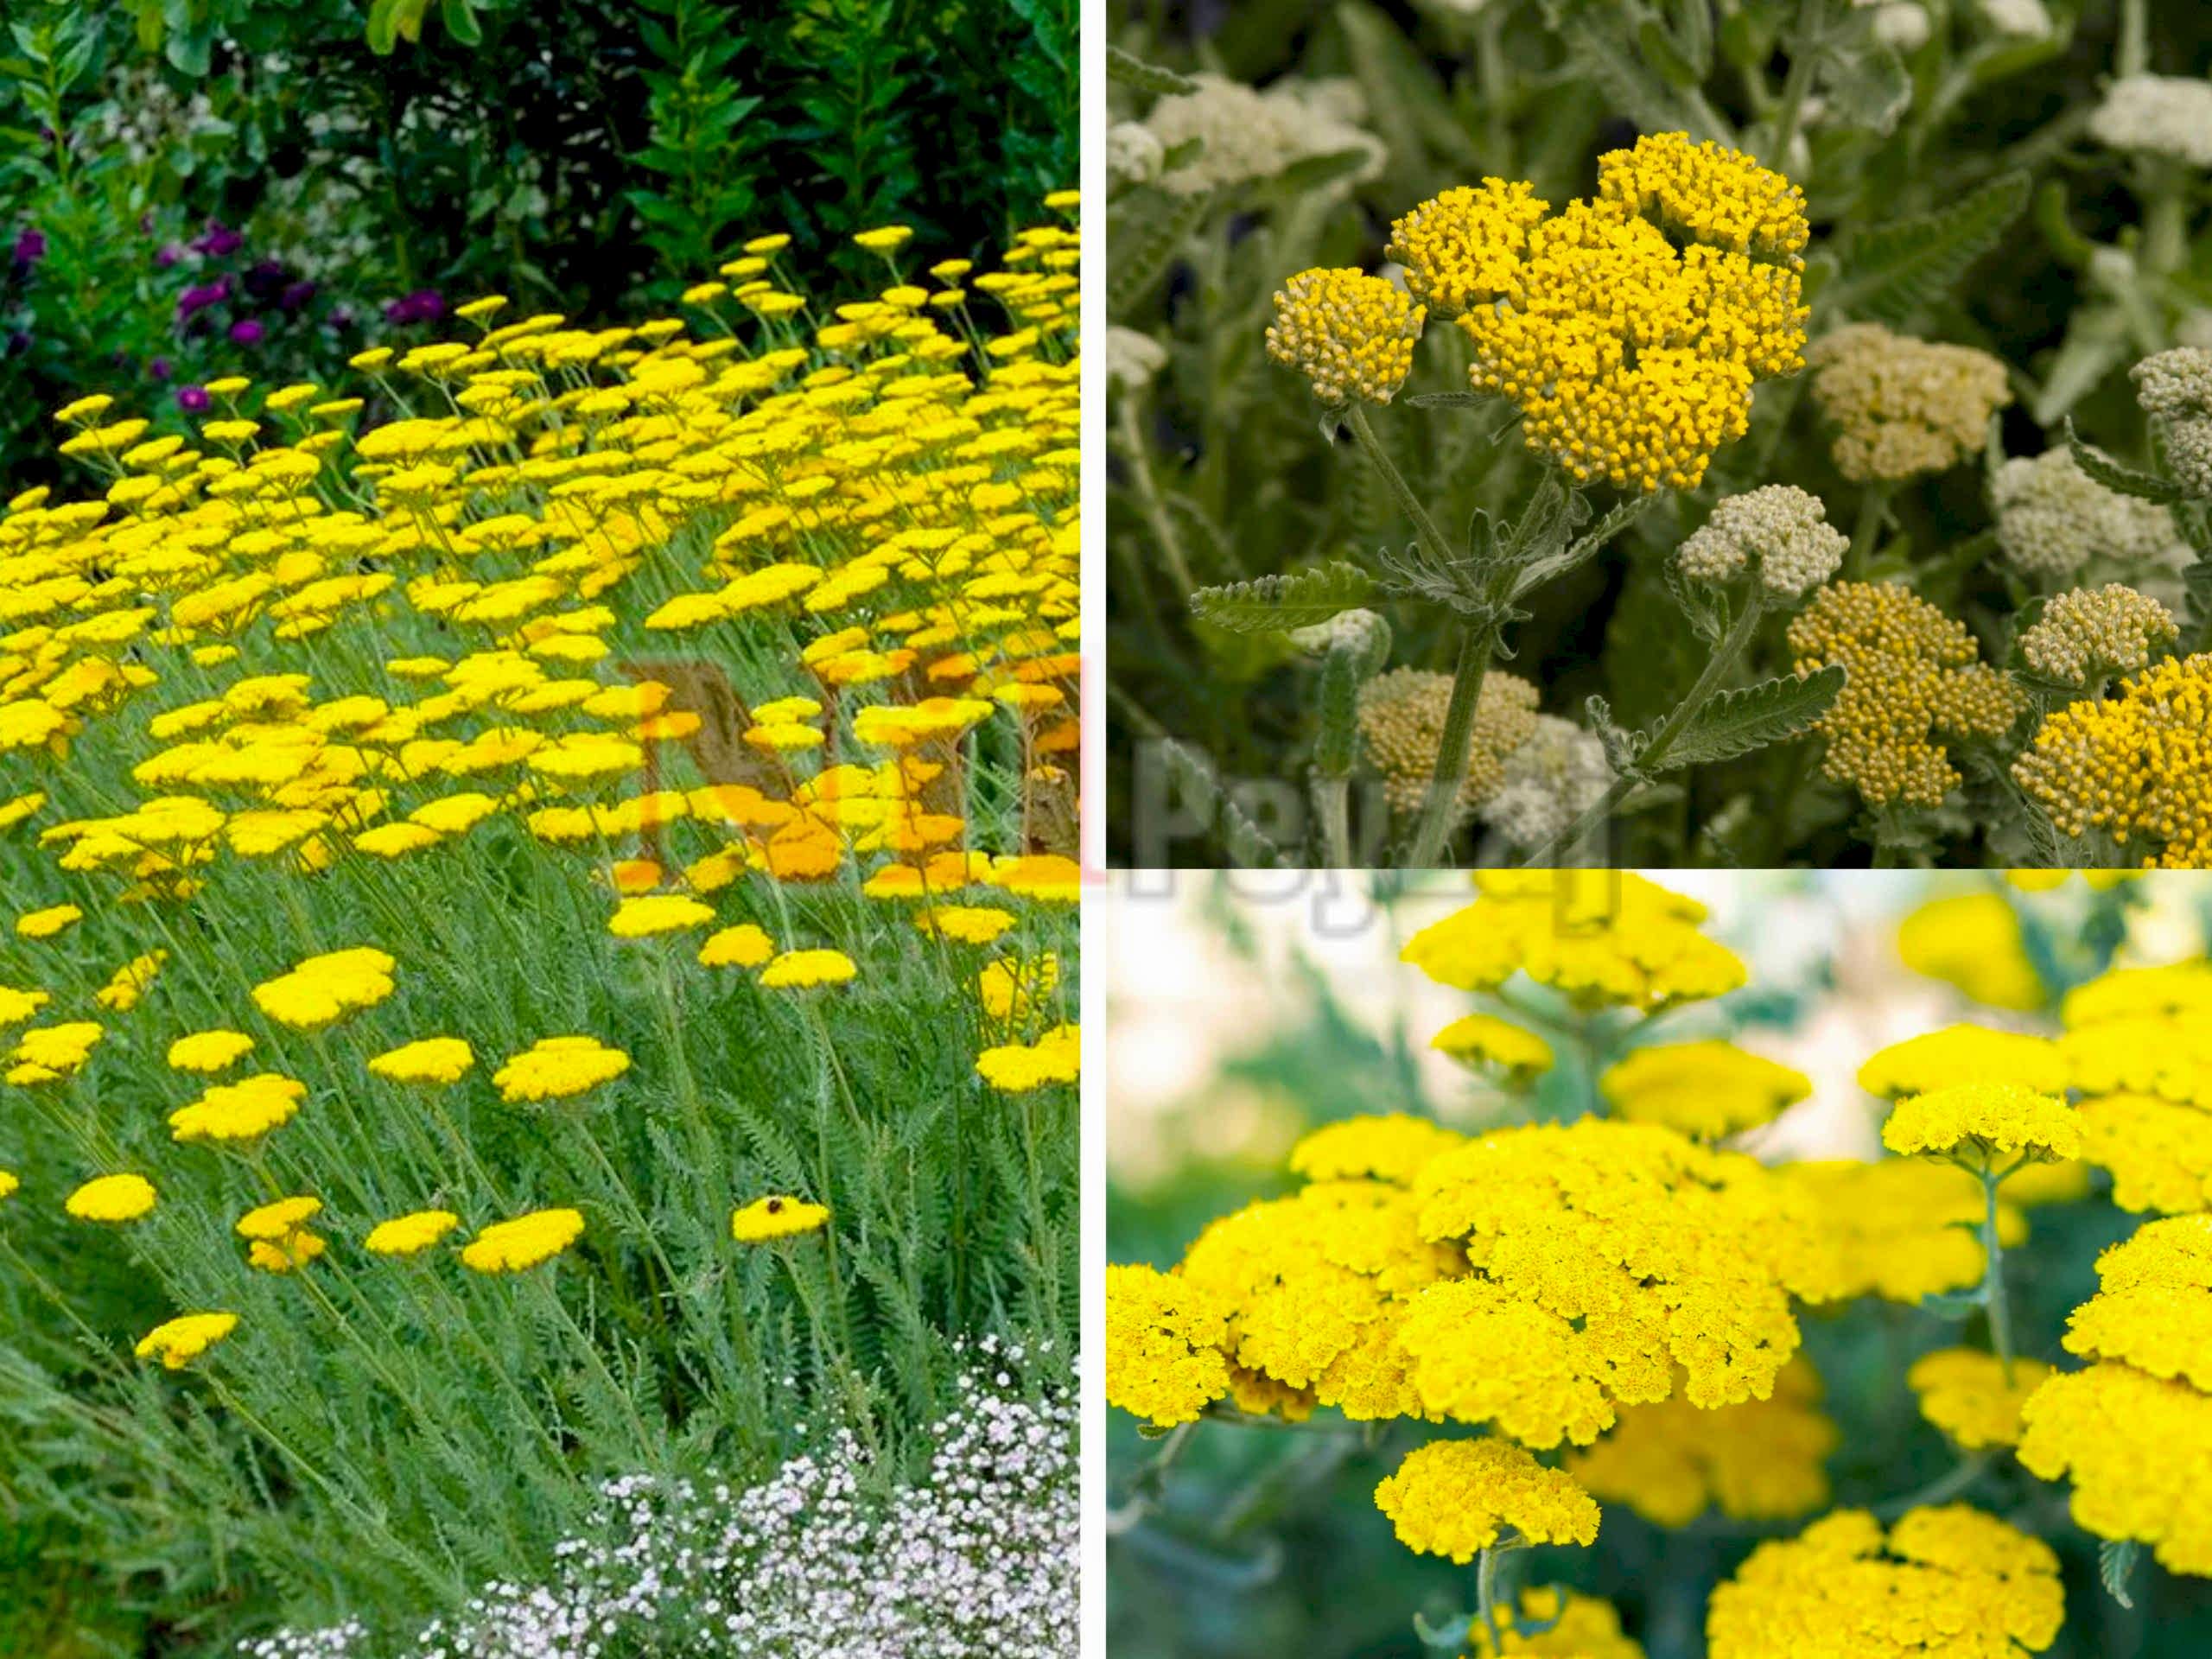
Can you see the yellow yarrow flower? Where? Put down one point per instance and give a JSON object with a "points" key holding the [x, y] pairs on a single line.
{"points": [[802, 970], [1564, 1625], [1761, 1460], [660, 912], [745, 945], [776, 1217], [239, 1111], [323, 989], [45, 924], [409, 1234], [209, 1051], [1164, 1345], [1599, 937], [1985, 1119], [177, 1342], [1456, 1498], [2154, 1311], [1902, 1227], [429, 1059], [1972, 1582], [111, 1198], [1707, 1089], [2135, 1446], [1018, 1068], [1965, 1392], [1483, 1040], [1392, 1148], [1351, 335], [278, 1220], [558, 1068], [1963, 1053], [523, 1242]]}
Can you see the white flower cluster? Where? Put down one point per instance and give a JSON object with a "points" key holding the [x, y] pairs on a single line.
{"points": [[2091, 634], [2175, 387], [2026, 18], [1901, 24], [1550, 781], [1133, 153], [1797, 548], [814, 1563], [1132, 358], [2052, 518], [2160, 115], [1245, 135], [1362, 631]]}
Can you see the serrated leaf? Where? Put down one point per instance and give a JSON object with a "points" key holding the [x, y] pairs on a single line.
{"points": [[1736, 722], [1132, 71], [1273, 604], [1903, 267], [1583, 547], [1628, 84], [1867, 85], [1149, 230], [2122, 480], [2115, 1564]]}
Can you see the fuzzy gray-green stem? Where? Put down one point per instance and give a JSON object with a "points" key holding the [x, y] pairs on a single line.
{"points": [[1432, 537], [1717, 668], [1149, 500], [1993, 1299], [1486, 1596], [1873, 508], [1440, 807]]}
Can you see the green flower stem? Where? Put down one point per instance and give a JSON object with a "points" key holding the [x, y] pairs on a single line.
{"points": [[1332, 805], [1425, 526], [1798, 83], [1717, 668], [1486, 1597], [1994, 1302], [1149, 500], [1873, 508], [1440, 809]]}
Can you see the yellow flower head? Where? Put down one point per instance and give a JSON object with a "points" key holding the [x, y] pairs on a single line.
{"points": [[1943, 1580], [1018, 1068], [280, 1219], [45, 924], [1992, 1121], [513, 1246], [743, 946], [1455, 1499], [1965, 1393], [429, 1059], [2155, 1309], [1351, 335], [2136, 1447], [111, 1198], [1912, 671], [323, 989], [239, 1111], [1484, 1041], [1564, 1625], [658, 912], [1597, 937], [10, 1184], [776, 1217], [968, 924], [179, 1341], [1707, 1089], [1973, 940], [801, 969], [286, 1254], [1465, 247], [209, 1051], [1956, 1054], [1392, 1148], [409, 1234], [2133, 765], [1902, 1227], [1761, 1460], [556, 1068], [1164, 1341]]}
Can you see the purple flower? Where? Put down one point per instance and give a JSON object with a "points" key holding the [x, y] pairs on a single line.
{"points": [[200, 296], [160, 368], [295, 295], [30, 245], [424, 305], [193, 400], [218, 240], [247, 333], [168, 255]]}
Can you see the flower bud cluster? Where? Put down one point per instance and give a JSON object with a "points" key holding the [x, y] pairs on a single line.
{"points": [[1778, 526]]}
